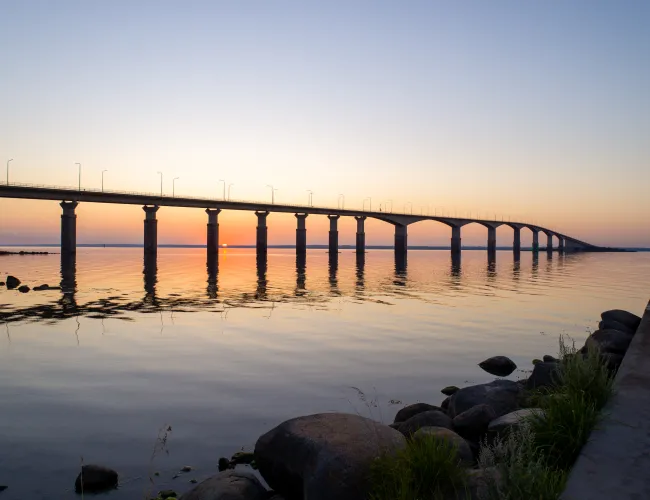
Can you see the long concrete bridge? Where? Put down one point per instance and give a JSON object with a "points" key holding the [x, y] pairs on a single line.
{"points": [[70, 198]]}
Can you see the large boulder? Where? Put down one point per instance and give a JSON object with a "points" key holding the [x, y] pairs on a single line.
{"points": [[481, 483], [234, 484], [463, 449], [12, 282], [610, 324], [411, 410], [473, 423], [501, 395], [628, 319], [505, 423], [609, 341], [324, 456], [611, 360], [544, 375], [95, 478], [501, 366], [433, 418]]}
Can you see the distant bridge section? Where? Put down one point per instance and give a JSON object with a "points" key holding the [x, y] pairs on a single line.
{"points": [[70, 198]]}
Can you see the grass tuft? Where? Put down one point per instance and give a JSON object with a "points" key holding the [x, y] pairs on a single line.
{"points": [[427, 469]]}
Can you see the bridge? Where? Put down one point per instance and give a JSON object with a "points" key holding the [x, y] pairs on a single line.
{"points": [[69, 199]]}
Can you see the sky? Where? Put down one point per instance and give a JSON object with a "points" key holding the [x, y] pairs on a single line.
{"points": [[533, 111]]}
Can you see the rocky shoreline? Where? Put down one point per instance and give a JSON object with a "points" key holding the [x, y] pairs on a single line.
{"points": [[332, 455], [13, 283]]}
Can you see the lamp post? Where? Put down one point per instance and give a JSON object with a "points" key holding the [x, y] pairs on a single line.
{"points": [[273, 190], [8, 170], [103, 179], [79, 175], [311, 198], [161, 179], [369, 204], [408, 203], [391, 205], [341, 200], [174, 186], [224, 188], [229, 186]]}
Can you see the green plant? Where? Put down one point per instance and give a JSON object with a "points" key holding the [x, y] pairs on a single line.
{"points": [[427, 469]]}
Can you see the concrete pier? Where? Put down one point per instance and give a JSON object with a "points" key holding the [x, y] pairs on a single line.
{"points": [[560, 246], [455, 240], [401, 239], [301, 234], [334, 234], [535, 240], [516, 242], [150, 278], [213, 230], [212, 266], [492, 240], [549, 242], [68, 227], [150, 230], [361, 234], [262, 233]]}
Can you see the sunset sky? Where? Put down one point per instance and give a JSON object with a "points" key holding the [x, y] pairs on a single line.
{"points": [[537, 111]]}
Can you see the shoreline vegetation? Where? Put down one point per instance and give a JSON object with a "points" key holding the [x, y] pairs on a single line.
{"points": [[501, 440]]}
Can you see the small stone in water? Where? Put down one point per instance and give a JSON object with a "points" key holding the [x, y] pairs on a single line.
{"points": [[224, 463], [167, 494], [186, 468], [156, 473], [193, 481], [449, 390]]}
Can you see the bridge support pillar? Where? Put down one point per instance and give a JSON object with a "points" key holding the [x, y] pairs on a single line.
{"points": [[535, 240], [262, 232], [401, 238], [361, 234], [516, 242], [334, 234], [301, 234], [560, 247], [455, 240], [68, 227], [150, 230], [492, 240], [213, 230], [549, 242]]}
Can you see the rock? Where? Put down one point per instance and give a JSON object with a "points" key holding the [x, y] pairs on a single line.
{"points": [[228, 485], [23, 289], [3, 486], [536, 361], [12, 282], [441, 433], [501, 395], [433, 418], [94, 478], [2, 283], [632, 321], [473, 423], [186, 468], [480, 482], [544, 375], [324, 456], [505, 423], [411, 410], [609, 341], [445, 404], [276, 497], [501, 366], [449, 390], [610, 324], [613, 361], [223, 464], [193, 481], [39, 288], [550, 359], [167, 494], [242, 457]]}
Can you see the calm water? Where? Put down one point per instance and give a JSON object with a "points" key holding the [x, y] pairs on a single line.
{"points": [[223, 353]]}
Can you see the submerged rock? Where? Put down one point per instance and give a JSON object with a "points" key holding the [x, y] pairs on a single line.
{"points": [[39, 288], [324, 456], [449, 390], [433, 418], [95, 478], [613, 341], [501, 395], [473, 423], [12, 282], [228, 485], [501, 366], [632, 321], [463, 449], [411, 410], [23, 289]]}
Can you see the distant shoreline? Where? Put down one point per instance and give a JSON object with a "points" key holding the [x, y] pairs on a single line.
{"points": [[312, 247]]}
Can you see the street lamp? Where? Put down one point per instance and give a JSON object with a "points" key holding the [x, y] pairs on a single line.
{"points": [[103, 179], [8, 170], [174, 186], [161, 179], [224, 188], [311, 198], [341, 200], [79, 175], [273, 190], [229, 186], [408, 203], [391, 205], [369, 205]]}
